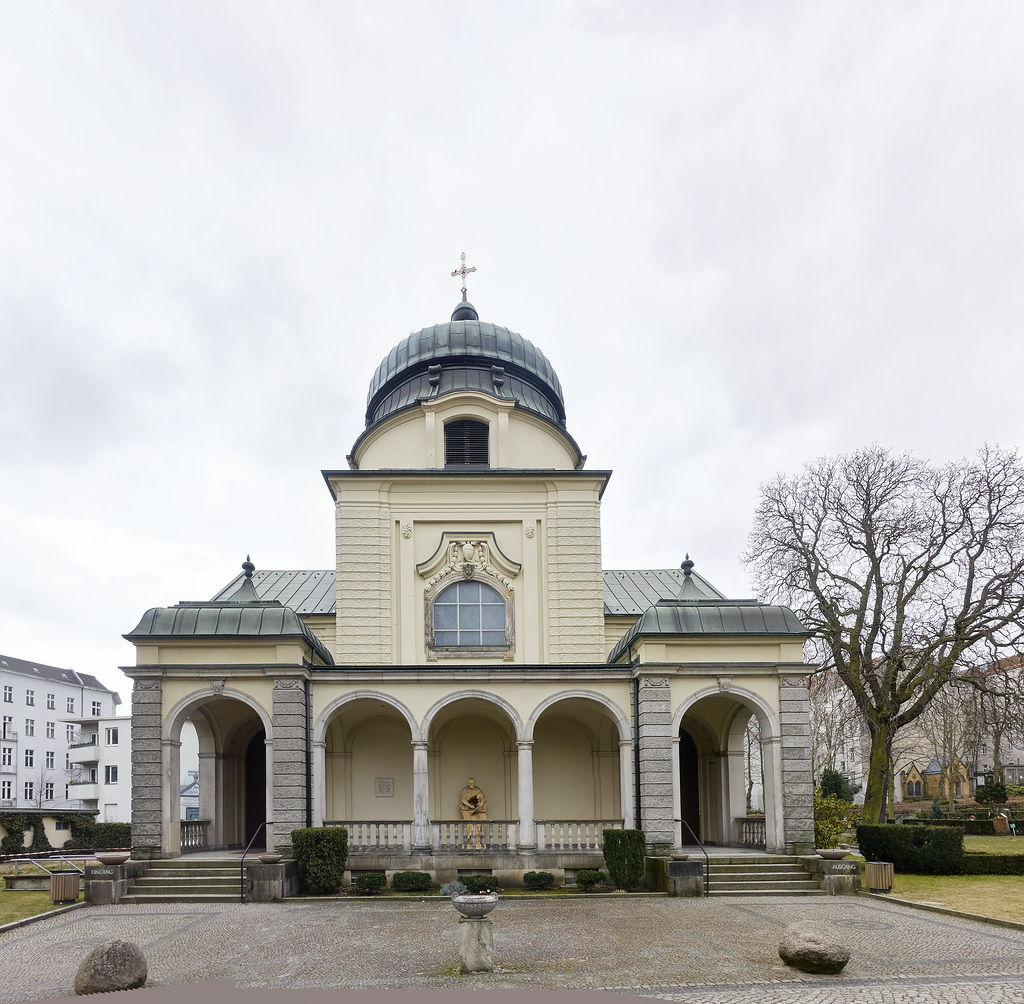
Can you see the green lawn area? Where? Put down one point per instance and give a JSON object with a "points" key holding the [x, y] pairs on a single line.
{"points": [[989, 895], [994, 845], [19, 905]]}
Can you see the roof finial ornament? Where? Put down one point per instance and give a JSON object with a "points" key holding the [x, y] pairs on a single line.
{"points": [[687, 566], [248, 567], [463, 271]]}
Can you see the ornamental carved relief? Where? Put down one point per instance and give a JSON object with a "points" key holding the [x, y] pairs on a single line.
{"points": [[289, 684], [469, 557], [654, 681]]}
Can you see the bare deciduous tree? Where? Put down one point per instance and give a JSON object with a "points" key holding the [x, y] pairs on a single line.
{"points": [[908, 573]]}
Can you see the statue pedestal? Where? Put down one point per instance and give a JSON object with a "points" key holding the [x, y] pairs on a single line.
{"points": [[476, 945]]}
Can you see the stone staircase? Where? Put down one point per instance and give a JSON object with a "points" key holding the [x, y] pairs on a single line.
{"points": [[771, 875], [186, 880]]}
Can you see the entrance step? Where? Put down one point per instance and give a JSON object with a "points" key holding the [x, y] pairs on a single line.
{"points": [[181, 880], [777, 875]]}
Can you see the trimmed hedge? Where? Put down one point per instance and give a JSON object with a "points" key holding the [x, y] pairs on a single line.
{"points": [[371, 883], [410, 882], [975, 827], [321, 853], [928, 850], [624, 852], [992, 864], [113, 835], [538, 880], [587, 878], [477, 884]]}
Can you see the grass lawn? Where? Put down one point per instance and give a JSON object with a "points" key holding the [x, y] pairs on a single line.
{"points": [[19, 905], [990, 895], [994, 845]]}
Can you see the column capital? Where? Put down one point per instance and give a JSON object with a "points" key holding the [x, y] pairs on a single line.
{"points": [[420, 744], [524, 744]]}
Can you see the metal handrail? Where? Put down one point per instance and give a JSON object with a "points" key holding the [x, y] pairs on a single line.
{"points": [[707, 860], [61, 860], [241, 875]]}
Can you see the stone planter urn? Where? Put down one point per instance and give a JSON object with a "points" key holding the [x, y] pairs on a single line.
{"points": [[113, 857], [832, 853], [270, 859], [475, 906], [680, 857]]}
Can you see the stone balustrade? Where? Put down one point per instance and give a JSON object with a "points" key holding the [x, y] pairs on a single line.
{"points": [[193, 835], [751, 830], [573, 834]]}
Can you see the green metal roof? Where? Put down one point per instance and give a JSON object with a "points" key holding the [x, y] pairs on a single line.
{"points": [[227, 620], [721, 618]]}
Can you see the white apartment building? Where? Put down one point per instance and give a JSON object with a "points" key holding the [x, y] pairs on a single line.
{"points": [[101, 762], [41, 713]]}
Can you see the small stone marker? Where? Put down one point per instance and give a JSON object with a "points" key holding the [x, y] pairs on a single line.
{"points": [[804, 948], [115, 965]]}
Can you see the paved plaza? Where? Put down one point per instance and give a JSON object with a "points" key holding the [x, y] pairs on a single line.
{"points": [[708, 950]]}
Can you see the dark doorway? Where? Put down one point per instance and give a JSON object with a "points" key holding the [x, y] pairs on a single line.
{"points": [[689, 791], [256, 787]]}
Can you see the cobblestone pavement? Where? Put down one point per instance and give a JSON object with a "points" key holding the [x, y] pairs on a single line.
{"points": [[714, 951]]}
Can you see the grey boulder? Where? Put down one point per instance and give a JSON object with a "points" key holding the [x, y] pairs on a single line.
{"points": [[804, 948], [115, 965]]}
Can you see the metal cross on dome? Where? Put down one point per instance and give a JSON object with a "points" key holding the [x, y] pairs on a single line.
{"points": [[463, 271]]}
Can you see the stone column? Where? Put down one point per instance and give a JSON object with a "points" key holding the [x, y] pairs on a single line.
{"points": [[771, 770], [795, 752], [319, 783], [527, 836], [626, 782], [149, 827], [420, 798], [677, 824], [287, 780], [654, 728], [170, 805]]}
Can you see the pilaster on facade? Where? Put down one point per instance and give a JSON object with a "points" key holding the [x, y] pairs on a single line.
{"points": [[654, 724], [148, 783], [795, 759]]}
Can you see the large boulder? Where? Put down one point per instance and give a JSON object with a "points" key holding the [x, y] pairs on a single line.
{"points": [[115, 965], [803, 947]]}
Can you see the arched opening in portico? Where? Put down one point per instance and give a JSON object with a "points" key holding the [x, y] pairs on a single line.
{"points": [[234, 768], [710, 772]]}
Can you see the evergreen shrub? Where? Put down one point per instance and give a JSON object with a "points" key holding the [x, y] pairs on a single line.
{"points": [[83, 831], [371, 883], [991, 794], [928, 850], [587, 878], [478, 884], [453, 888], [113, 835], [992, 864], [14, 841], [538, 880], [974, 827], [321, 853], [839, 785], [624, 852], [411, 882], [936, 811]]}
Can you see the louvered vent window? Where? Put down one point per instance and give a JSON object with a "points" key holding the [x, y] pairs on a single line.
{"points": [[465, 444]]}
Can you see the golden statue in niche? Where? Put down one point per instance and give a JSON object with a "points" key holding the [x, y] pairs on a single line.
{"points": [[473, 805]]}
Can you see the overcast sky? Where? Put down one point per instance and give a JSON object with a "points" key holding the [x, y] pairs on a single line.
{"points": [[745, 234]]}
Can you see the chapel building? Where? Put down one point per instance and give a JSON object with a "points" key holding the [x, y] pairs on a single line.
{"points": [[468, 631]]}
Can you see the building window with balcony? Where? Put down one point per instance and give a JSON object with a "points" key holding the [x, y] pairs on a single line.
{"points": [[5, 791], [71, 705], [30, 726], [49, 759], [67, 792], [51, 702], [8, 695], [69, 733], [92, 775], [51, 730], [110, 774], [30, 758], [30, 791], [48, 791], [30, 698], [8, 727], [111, 737], [67, 761], [7, 756]]}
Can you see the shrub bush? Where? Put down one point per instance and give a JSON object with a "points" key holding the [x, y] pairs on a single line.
{"points": [[454, 888], [538, 880], [410, 882], [371, 883], [936, 811], [624, 852], [833, 816], [587, 878], [113, 835], [834, 783], [14, 824], [477, 884], [83, 831], [929, 850], [321, 852], [992, 864], [975, 827], [992, 794]]}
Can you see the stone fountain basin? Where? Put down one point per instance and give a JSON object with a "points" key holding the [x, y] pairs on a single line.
{"points": [[475, 905]]}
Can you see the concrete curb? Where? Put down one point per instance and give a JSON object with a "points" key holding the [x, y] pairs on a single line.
{"points": [[423, 897], [994, 921], [14, 924]]}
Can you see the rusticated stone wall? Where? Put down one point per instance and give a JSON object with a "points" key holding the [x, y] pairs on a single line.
{"points": [[575, 585], [797, 782], [289, 761], [364, 583], [147, 770], [653, 732]]}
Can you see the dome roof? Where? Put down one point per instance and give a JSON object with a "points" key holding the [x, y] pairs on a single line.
{"points": [[465, 354]]}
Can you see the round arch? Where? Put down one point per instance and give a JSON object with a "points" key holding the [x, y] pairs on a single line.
{"points": [[183, 709], [465, 695], [765, 715], [616, 713], [323, 722]]}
